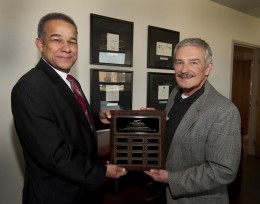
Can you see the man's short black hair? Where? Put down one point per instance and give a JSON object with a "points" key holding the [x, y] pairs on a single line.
{"points": [[53, 16]]}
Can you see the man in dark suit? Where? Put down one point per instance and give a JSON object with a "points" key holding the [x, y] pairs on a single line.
{"points": [[58, 139], [203, 138]]}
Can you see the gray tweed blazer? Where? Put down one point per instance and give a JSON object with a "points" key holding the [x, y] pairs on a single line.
{"points": [[205, 151]]}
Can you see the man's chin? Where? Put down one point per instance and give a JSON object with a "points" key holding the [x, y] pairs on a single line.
{"points": [[184, 83], [64, 68]]}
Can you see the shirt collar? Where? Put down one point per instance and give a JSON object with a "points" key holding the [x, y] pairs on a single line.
{"points": [[63, 75]]}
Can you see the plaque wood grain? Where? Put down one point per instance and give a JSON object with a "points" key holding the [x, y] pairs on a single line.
{"points": [[137, 139]]}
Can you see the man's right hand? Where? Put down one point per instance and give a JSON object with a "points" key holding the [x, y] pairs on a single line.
{"points": [[105, 116], [114, 171]]}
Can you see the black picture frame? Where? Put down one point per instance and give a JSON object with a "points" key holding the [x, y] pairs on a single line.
{"points": [[110, 89], [161, 44], [159, 87], [111, 41]]}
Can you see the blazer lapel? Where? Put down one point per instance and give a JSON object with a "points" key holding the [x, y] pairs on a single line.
{"points": [[65, 90], [189, 118], [68, 94]]}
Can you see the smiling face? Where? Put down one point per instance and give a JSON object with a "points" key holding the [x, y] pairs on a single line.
{"points": [[190, 70], [59, 45]]}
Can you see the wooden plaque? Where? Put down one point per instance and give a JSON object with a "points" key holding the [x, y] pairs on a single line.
{"points": [[137, 139]]}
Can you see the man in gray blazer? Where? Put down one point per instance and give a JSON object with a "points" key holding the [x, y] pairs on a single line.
{"points": [[203, 138]]}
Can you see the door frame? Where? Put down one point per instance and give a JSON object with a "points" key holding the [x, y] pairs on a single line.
{"points": [[255, 99]]}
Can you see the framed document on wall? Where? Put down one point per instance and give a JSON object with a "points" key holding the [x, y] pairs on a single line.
{"points": [[111, 41], [161, 43], [110, 89], [159, 87]]}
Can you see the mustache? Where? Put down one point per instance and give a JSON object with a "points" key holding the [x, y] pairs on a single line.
{"points": [[185, 75]]}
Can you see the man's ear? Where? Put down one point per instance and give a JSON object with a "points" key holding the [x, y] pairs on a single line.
{"points": [[208, 69], [39, 44]]}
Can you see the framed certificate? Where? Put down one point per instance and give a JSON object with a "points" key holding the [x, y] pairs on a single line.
{"points": [[110, 89], [161, 43], [159, 87], [111, 41]]}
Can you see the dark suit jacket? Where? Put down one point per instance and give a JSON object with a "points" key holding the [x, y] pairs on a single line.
{"points": [[59, 146], [205, 151]]}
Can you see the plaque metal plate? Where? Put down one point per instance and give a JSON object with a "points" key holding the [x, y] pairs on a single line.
{"points": [[137, 139]]}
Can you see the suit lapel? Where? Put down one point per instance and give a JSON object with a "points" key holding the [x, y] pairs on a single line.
{"points": [[189, 118], [64, 90]]}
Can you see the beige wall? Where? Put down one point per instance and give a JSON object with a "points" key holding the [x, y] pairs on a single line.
{"points": [[192, 18]]}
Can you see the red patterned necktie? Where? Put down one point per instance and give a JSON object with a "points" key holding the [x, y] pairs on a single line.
{"points": [[76, 89]]}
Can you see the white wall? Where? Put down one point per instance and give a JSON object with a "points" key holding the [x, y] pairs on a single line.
{"points": [[216, 24]]}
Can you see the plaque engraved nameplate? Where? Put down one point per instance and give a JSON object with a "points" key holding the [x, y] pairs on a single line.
{"points": [[137, 139]]}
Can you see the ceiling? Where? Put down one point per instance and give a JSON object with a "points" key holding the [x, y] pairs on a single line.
{"points": [[250, 7]]}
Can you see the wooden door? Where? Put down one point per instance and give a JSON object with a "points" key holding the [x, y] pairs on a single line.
{"points": [[241, 90], [254, 129], [257, 135]]}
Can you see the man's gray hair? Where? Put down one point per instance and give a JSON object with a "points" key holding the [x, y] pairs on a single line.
{"points": [[198, 43]]}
